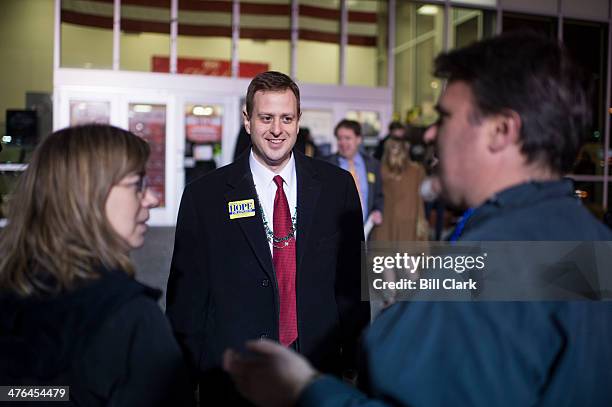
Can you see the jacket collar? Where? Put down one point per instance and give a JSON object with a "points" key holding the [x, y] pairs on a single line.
{"points": [[531, 192], [519, 196], [242, 187]]}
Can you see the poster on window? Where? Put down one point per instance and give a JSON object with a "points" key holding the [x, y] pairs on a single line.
{"points": [[149, 122], [87, 112], [204, 129]]}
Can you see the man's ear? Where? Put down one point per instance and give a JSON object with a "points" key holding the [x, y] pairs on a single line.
{"points": [[505, 130], [246, 121]]}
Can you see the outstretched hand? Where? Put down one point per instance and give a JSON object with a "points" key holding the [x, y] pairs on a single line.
{"points": [[270, 374]]}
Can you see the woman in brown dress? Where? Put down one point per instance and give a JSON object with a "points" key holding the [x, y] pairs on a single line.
{"points": [[404, 218]]}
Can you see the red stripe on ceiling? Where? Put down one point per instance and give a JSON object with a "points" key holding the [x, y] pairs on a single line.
{"points": [[334, 14], [253, 8], [130, 25], [195, 5], [265, 34], [362, 17], [208, 5], [362, 40], [319, 12], [149, 3], [319, 36], [73, 17]]}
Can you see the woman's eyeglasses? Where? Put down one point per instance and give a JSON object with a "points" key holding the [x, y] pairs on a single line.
{"points": [[139, 185], [142, 184]]}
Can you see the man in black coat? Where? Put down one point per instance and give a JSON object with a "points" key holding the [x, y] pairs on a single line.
{"points": [[364, 169], [268, 247]]}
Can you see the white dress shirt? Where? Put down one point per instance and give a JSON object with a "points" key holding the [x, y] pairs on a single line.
{"points": [[266, 188]]}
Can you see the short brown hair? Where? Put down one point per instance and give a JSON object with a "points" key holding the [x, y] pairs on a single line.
{"points": [[271, 81], [57, 231], [349, 124]]}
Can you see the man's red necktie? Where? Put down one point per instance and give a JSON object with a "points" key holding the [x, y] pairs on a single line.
{"points": [[283, 257]]}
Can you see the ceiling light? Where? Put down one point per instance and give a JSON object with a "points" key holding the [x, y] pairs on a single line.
{"points": [[142, 108], [202, 110], [427, 10]]}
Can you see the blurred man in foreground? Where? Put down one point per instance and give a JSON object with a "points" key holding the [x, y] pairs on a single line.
{"points": [[511, 120]]}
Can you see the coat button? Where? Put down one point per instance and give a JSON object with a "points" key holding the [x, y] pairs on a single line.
{"points": [[265, 282], [263, 336]]}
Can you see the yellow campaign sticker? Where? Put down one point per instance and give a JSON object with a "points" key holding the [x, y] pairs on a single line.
{"points": [[371, 177], [241, 209]]}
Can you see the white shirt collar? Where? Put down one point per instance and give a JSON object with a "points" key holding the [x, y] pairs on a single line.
{"points": [[266, 188], [263, 176]]}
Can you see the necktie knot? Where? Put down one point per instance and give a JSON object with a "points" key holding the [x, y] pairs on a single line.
{"points": [[278, 180]]}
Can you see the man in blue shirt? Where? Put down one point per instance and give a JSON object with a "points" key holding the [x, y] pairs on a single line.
{"points": [[364, 169], [511, 119]]}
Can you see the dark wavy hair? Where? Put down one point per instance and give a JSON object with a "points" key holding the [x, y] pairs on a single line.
{"points": [[271, 81], [348, 124], [57, 232], [534, 77]]}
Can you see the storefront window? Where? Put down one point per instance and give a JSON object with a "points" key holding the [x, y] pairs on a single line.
{"points": [[588, 45], [318, 49], [470, 25], [418, 40], [203, 134], [204, 43], [84, 23], [145, 33], [265, 37], [366, 51]]}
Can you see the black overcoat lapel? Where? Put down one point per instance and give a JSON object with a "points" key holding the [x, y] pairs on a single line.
{"points": [[242, 187]]}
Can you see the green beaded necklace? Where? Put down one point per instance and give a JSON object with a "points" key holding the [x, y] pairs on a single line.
{"points": [[279, 242]]}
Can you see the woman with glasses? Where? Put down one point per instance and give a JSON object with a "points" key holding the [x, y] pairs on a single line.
{"points": [[71, 313]]}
